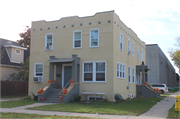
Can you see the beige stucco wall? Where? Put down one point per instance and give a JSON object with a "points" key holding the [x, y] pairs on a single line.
{"points": [[108, 50], [119, 84], [5, 71]]}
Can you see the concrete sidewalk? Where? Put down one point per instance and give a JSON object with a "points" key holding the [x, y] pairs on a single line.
{"points": [[158, 111]]}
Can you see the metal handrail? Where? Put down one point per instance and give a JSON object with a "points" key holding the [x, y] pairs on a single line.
{"points": [[64, 87]]}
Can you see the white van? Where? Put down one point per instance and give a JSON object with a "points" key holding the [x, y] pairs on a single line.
{"points": [[161, 87]]}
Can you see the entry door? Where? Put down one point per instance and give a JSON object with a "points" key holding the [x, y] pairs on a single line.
{"points": [[67, 75]]}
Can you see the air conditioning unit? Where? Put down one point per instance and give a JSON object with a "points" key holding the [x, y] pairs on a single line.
{"points": [[131, 95], [37, 79], [48, 47], [129, 52]]}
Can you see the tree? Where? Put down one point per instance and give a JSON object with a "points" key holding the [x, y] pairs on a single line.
{"points": [[175, 54], [25, 38], [23, 73]]}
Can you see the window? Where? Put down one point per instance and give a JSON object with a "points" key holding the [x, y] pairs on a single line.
{"points": [[121, 41], [97, 98], [133, 49], [142, 55], [38, 69], [94, 71], [120, 70], [49, 42], [138, 52], [94, 38], [129, 47], [17, 51], [77, 39], [129, 74], [133, 75]]}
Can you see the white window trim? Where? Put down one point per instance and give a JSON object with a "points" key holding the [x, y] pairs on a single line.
{"points": [[18, 53], [75, 40], [90, 38], [121, 42], [95, 97], [138, 53], [46, 40], [42, 69], [121, 77], [94, 72], [129, 74], [133, 71], [142, 55], [132, 49]]}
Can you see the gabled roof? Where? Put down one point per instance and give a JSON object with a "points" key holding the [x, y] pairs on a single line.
{"points": [[4, 56]]}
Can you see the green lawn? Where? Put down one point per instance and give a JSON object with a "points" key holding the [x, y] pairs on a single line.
{"points": [[16, 103], [172, 91], [164, 95], [173, 113], [37, 116], [128, 107]]}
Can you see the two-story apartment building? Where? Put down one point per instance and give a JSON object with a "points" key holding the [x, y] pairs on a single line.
{"points": [[99, 52]]}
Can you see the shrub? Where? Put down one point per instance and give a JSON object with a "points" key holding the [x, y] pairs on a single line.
{"points": [[118, 97], [77, 98]]}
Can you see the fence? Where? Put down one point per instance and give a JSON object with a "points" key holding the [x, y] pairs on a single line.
{"points": [[14, 88]]}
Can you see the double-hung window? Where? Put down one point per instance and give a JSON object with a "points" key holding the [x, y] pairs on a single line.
{"points": [[120, 70], [142, 55], [77, 39], [121, 41], [133, 75], [129, 46], [49, 41], [94, 38], [138, 52], [94, 71], [39, 69], [133, 49], [129, 74]]}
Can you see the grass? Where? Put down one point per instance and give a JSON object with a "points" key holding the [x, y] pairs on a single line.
{"points": [[173, 113], [164, 95], [16, 103], [172, 91], [34, 116], [16, 96], [128, 107]]}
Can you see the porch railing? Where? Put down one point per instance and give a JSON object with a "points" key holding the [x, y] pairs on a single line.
{"points": [[64, 87]]}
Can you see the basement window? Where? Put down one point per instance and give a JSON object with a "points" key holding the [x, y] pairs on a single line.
{"points": [[95, 98]]}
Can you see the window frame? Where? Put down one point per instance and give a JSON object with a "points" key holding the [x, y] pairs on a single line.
{"points": [[133, 75], [94, 72], [19, 52], [132, 49], [121, 70], [137, 52], [90, 38], [42, 70], [77, 40], [121, 41], [96, 97], [46, 40], [129, 74]]}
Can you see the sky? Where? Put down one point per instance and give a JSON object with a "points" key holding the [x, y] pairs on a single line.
{"points": [[154, 21]]}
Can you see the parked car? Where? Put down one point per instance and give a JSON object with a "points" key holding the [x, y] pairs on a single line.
{"points": [[161, 87]]}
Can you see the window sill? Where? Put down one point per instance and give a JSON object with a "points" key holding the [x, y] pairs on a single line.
{"points": [[77, 48], [93, 82], [93, 46], [120, 78]]}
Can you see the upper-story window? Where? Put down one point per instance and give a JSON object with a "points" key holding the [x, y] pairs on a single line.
{"points": [[121, 41], [138, 52], [77, 39], [142, 55], [129, 46], [17, 51], [94, 71], [94, 38], [133, 49], [49, 41]]}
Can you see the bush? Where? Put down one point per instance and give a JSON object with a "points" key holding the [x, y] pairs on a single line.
{"points": [[77, 98], [118, 97]]}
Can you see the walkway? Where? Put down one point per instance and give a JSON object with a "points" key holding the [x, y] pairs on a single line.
{"points": [[158, 111]]}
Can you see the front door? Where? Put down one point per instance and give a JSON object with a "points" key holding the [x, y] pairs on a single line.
{"points": [[67, 75]]}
